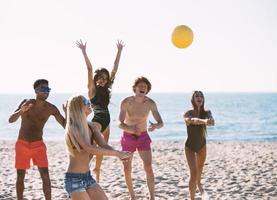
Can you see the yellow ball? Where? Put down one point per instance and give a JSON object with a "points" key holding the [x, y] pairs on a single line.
{"points": [[182, 36]]}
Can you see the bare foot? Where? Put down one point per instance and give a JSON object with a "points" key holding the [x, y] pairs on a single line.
{"points": [[204, 195], [200, 187], [133, 198]]}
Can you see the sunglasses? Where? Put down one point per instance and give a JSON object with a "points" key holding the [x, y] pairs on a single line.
{"points": [[44, 89], [86, 102]]}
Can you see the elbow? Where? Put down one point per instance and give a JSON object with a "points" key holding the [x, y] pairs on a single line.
{"points": [[213, 123], [10, 120], [161, 124], [90, 149], [119, 125]]}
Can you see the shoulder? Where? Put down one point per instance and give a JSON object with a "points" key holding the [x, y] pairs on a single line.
{"points": [[188, 113], [52, 107], [127, 100], [24, 101], [28, 101], [151, 104], [150, 101], [208, 113]]}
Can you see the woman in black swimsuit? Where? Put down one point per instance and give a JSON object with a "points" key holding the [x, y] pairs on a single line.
{"points": [[195, 147], [99, 92]]}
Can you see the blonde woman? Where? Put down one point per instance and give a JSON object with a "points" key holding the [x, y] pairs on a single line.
{"points": [[81, 139]]}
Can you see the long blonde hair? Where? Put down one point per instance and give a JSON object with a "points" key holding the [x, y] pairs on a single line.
{"points": [[76, 123]]}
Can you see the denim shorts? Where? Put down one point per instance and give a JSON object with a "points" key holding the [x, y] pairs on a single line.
{"points": [[78, 182]]}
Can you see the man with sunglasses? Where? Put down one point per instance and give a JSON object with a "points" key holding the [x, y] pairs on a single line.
{"points": [[34, 114]]}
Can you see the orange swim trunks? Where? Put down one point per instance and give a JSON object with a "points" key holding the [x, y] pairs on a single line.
{"points": [[25, 151]]}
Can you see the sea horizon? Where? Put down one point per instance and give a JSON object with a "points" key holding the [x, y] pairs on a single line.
{"points": [[240, 116]]}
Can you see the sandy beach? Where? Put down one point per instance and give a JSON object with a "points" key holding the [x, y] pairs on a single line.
{"points": [[233, 170]]}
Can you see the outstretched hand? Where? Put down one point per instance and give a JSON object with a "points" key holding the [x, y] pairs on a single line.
{"points": [[120, 45], [25, 107], [81, 45], [65, 107], [125, 156]]}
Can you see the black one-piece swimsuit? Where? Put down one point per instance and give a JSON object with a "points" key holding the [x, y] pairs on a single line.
{"points": [[196, 137], [100, 104]]}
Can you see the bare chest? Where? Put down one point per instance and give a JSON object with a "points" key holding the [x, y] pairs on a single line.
{"points": [[37, 114], [138, 110]]}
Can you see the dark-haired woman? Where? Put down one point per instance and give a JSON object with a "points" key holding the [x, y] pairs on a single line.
{"points": [[99, 92], [197, 121]]}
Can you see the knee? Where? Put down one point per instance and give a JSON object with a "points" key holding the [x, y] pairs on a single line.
{"points": [[20, 176], [201, 166], [148, 168], [193, 175]]}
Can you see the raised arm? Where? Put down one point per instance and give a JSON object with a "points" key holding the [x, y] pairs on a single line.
{"points": [[120, 46], [156, 116], [23, 107], [91, 85]]}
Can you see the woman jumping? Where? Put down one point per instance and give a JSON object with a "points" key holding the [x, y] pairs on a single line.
{"points": [[99, 93]]}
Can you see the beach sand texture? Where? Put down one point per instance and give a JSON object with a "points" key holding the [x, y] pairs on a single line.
{"points": [[233, 170]]}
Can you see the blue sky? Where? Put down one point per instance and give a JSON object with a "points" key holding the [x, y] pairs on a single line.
{"points": [[234, 47]]}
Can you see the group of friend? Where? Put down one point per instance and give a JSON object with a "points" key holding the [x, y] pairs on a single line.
{"points": [[84, 139]]}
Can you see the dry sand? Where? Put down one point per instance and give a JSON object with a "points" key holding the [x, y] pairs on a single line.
{"points": [[233, 170]]}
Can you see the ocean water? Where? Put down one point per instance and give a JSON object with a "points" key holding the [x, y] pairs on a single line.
{"points": [[238, 116]]}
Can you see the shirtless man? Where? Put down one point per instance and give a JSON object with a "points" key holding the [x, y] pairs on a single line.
{"points": [[34, 113], [134, 112]]}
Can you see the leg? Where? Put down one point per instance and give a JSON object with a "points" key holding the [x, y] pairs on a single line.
{"points": [[80, 196], [146, 156], [20, 183], [97, 193], [46, 183], [201, 158], [128, 177], [192, 163], [99, 158]]}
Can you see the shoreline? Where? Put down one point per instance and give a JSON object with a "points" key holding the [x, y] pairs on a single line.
{"points": [[233, 170]]}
